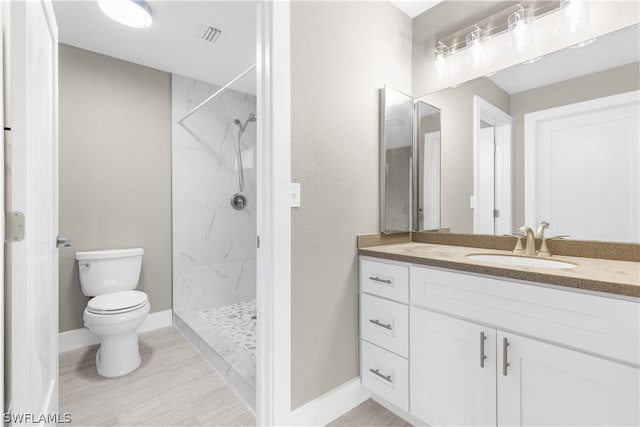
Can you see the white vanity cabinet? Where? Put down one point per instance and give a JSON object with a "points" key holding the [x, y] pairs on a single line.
{"points": [[488, 351], [453, 370], [384, 330], [545, 385]]}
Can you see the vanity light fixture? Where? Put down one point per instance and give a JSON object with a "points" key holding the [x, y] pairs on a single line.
{"points": [[475, 55], [574, 13], [133, 13], [442, 66], [520, 27]]}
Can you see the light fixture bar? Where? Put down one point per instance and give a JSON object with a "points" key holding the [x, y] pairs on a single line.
{"points": [[496, 23]]}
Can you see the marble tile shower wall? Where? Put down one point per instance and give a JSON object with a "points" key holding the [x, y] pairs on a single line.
{"points": [[214, 254]]}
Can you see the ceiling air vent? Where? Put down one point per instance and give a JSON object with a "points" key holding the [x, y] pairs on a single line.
{"points": [[210, 33]]}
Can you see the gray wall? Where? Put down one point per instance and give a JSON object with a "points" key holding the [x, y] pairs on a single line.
{"points": [[597, 85], [342, 53], [115, 171], [456, 105]]}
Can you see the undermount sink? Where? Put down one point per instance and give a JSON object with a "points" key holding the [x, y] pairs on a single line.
{"points": [[520, 261]]}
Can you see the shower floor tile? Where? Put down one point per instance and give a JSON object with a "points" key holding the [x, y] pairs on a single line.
{"points": [[237, 322]]}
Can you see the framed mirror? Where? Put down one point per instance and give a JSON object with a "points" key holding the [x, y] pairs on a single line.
{"points": [[396, 161], [553, 140]]}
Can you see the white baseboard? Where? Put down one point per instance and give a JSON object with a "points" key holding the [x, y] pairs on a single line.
{"points": [[77, 338], [328, 407], [399, 412]]}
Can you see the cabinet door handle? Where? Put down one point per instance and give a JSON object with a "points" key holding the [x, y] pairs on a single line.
{"points": [[377, 372], [483, 338], [382, 325], [505, 363], [377, 279]]}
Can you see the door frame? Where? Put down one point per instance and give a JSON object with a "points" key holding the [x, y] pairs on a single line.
{"points": [[273, 363], [489, 113], [531, 148]]}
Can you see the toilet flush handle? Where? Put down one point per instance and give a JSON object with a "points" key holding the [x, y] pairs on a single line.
{"points": [[63, 241]]}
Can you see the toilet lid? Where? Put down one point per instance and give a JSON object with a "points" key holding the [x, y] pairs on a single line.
{"points": [[117, 302]]}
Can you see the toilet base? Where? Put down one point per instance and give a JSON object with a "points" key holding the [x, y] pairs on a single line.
{"points": [[118, 355]]}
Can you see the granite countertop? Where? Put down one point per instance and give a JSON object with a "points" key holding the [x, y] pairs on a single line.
{"points": [[601, 275]]}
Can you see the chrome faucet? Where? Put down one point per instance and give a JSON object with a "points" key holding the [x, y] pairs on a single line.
{"points": [[530, 249]]}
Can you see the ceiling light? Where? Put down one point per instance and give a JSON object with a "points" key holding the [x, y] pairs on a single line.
{"points": [[574, 14], [133, 13], [520, 25], [475, 56], [531, 61], [583, 44]]}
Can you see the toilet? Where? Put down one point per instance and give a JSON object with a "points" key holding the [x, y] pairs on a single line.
{"points": [[116, 310]]}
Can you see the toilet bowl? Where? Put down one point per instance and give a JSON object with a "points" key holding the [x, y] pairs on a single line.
{"points": [[116, 310]]}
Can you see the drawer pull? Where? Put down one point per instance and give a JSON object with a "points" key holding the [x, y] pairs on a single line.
{"points": [[483, 338], [377, 372], [382, 325], [505, 363], [377, 279]]}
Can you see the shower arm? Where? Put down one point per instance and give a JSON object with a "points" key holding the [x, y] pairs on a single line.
{"points": [[216, 94]]}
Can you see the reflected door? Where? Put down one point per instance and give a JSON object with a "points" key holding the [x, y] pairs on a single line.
{"points": [[582, 169]]}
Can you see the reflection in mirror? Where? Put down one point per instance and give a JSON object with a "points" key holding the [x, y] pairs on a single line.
{"points": [[396, 156], [565, 132], [428, 154]]}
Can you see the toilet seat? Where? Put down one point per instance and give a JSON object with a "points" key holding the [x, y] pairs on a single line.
{"points": [[117, 302]]}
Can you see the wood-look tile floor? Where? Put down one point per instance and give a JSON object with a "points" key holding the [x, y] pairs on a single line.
{"points": [[174, 386], [369, 414]]}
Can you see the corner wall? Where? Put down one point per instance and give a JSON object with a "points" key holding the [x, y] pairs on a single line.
{"points": [[342, 53], [115, 171]]}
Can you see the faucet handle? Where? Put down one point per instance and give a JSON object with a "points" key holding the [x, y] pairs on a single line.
{"points": [[544, 249], [559, 237], [519, 249]]}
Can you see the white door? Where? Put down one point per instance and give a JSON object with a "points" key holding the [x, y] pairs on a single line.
{"points": [[431, 182], [582, 169], [546, 385], [33, 181], [492, 199], [453, 370], [485, 193]]}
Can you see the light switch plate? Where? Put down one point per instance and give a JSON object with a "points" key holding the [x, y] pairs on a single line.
{"points": [[295, 195]]}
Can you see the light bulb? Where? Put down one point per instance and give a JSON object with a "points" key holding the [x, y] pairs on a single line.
{"points": [[475, 55], [441, 63], [574, 14], [520, 24]]}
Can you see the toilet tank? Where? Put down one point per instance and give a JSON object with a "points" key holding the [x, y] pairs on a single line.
{"points": [[105, 272]]}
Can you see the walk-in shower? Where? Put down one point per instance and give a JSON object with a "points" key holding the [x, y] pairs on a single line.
{"points": [[239, 199], [214, 241]]}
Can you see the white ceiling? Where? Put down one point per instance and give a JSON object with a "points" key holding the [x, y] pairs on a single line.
{"points": [[173, 42], [612, 50], [414, 8]]}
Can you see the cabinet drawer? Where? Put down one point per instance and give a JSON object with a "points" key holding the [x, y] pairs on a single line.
{"points": [[385, 323], [385, 374], [601, 325], [385, 280]]}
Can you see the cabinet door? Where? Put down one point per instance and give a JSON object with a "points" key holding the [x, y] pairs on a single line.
{"points": [[448, 385], [545, 385]]}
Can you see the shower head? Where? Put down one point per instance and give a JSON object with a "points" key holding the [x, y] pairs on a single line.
{"points": [[252, 118]]}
